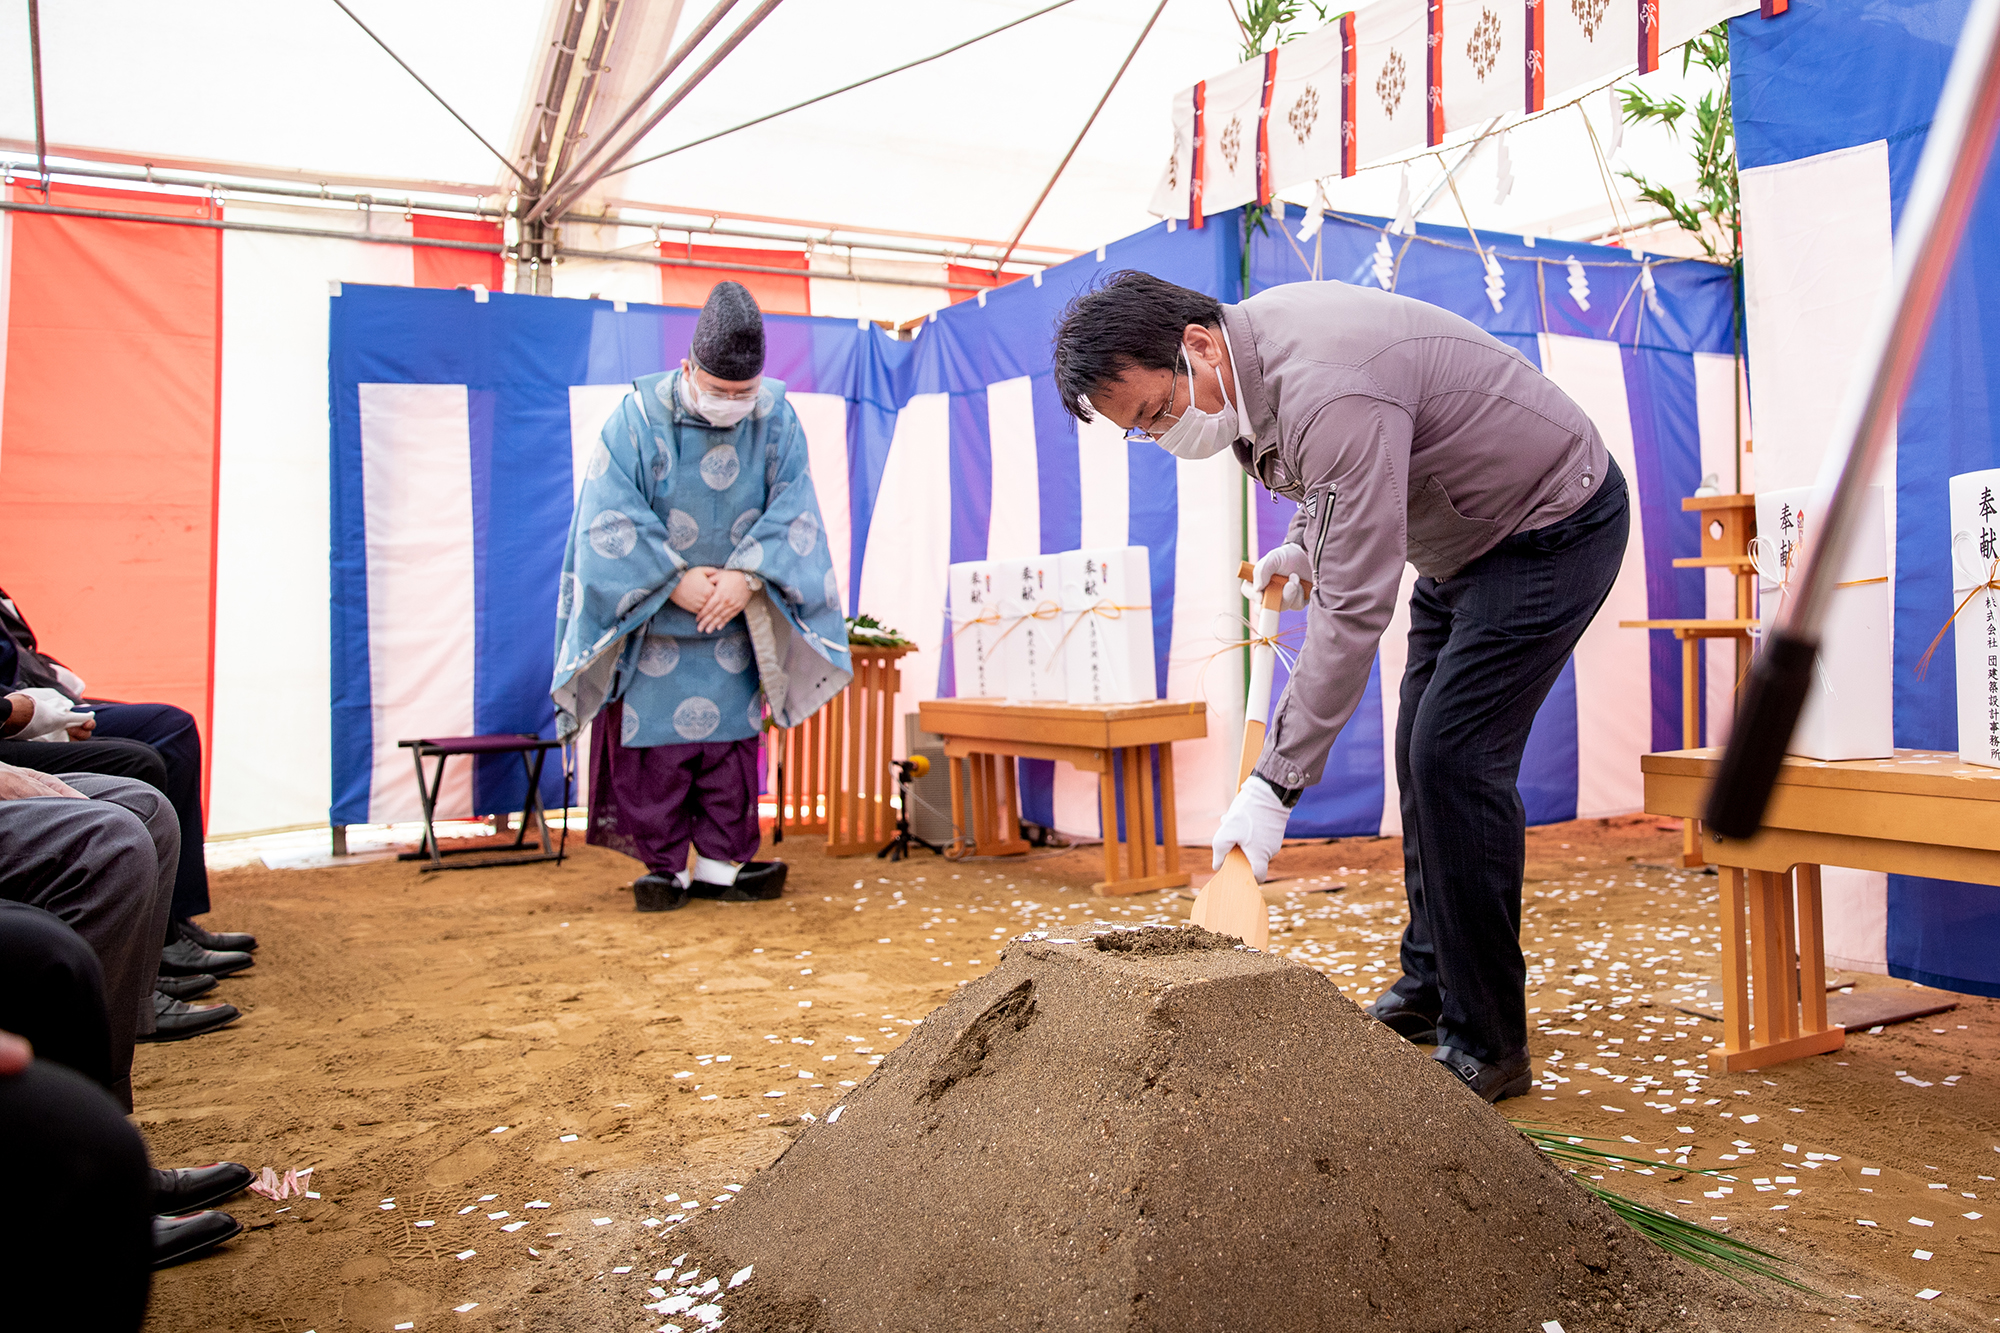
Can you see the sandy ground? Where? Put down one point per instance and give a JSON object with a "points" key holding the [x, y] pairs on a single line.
{"points": [[509, 1084]]}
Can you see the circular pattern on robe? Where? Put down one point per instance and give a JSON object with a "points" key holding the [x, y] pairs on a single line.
{"points": [[749, 555], [744, 522], [719, 467], [756, 713], [566, 597], [766, 400], [612, 535], [663, 466], [697, 718], [770, 469], [732, 653], [628, 724], [597, 462], [659, 655], [682, 530], [803, 534], [664, 391], [631, 599], [833, 589]]}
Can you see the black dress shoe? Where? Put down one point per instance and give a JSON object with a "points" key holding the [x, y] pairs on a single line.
{"points": [[222, 941], [756, 882], [177, 1020], [1494, 1082], [1412, 1025], [658, 893], [189, 1189], [185, 958], [184, 988], [178, 1239]]}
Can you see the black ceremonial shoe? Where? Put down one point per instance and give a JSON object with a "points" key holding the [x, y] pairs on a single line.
{"points": [[184, 988], [178, 1239], [189, 1189], [756, 882], [1412, 1025], [177, 1020], [658, 893], [222, 941], [185, 958], [1511, 1077]]}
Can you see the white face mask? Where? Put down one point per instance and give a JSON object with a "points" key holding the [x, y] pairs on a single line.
{"points": [[1198, 434], [713, 407]]}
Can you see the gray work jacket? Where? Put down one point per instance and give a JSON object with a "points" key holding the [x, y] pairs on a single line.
{"points": [[1403, 432]]}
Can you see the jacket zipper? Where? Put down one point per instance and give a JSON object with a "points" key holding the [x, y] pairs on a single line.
{"points": [[1330, 495]]}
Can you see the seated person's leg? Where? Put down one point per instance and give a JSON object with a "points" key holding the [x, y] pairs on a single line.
{"points": [[95, 865], [172, 732], [52, 993], [78, 1221], [110, 756]]}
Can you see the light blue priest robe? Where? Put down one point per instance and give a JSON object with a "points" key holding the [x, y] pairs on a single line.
{"points": [[664, 491]]}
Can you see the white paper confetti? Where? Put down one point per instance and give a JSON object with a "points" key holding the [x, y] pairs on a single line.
{"points": [[463, 1255], [742, 1276]]}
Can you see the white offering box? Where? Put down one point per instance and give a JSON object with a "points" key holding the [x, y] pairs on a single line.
{"points": [[1107, 602], [1847, 710], [1975, 546], [1030, 632], [978, 670]]}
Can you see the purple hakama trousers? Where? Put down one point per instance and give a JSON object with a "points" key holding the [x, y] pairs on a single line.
{"points": [[651, 802]]}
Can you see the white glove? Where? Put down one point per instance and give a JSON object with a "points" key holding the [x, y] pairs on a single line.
{"points": [[1290, 563], [1255, 822], [52, 717]]}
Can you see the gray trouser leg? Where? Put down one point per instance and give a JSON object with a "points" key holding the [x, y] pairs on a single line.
{"points": [[106, 869]]}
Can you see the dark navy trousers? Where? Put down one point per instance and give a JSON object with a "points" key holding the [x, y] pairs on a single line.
{"points": [[1486, 646]]}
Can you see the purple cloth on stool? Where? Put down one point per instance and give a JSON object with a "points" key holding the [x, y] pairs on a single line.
{"points": [[649, 802]]}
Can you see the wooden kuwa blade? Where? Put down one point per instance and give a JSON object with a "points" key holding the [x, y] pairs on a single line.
{"points": [[1231, 903]]}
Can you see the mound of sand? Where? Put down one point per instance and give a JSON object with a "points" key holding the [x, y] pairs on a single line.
{"points": [[1161, 1131]]}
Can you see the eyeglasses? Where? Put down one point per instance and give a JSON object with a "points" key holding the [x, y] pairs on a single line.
{"points": [[1150, 432], [727, 395]]}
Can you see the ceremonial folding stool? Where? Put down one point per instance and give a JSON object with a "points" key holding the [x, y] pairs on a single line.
{"points": [[533, 751]]}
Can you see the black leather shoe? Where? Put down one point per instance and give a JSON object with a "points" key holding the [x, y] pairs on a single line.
{"points": [[756, 882], [184, 988], [1511, 1077], [185, 958], [1412, 1025], [178, 1239], [658, 893], [177, 1020], [189, 1189], [222, 941]]}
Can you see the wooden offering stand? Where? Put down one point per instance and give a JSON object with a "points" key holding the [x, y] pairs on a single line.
{"points": [[833, 768], [1728, 526]]}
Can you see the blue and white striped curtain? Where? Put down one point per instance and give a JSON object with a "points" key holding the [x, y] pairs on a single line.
{"points": [[456, 421]]}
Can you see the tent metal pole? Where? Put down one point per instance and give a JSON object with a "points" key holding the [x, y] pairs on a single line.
{"points": [[702, 71], [435, 95], [586, 93], [210, 184], [223, 224], [35, 61], [846, 88], [653, 85], [725, 267], [1062, 165]]}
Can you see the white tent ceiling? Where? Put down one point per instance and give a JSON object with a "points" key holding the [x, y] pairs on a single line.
{"points": [[959, 147]]}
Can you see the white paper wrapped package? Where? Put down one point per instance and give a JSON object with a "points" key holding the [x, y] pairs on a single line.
{"points": [[1847, 710], [1030, 634], [977, 667], [1975, 562], [1107, 597]]}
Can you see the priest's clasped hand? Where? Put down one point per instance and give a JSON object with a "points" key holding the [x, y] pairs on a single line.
{"points": [[715, 596], [1255, 822]]}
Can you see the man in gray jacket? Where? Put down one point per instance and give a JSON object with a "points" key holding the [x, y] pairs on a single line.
{"points": [[1404, 433]]}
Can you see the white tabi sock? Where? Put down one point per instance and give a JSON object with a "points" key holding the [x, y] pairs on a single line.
{"points": [[715, 872], [685, 878]]}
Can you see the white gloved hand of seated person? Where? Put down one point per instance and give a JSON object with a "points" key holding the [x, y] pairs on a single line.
{"points": [[1255, 822], [52, 718], [1290, 563]]}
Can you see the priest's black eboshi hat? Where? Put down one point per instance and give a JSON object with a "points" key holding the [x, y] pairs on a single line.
{"points": [[729, 336]]}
